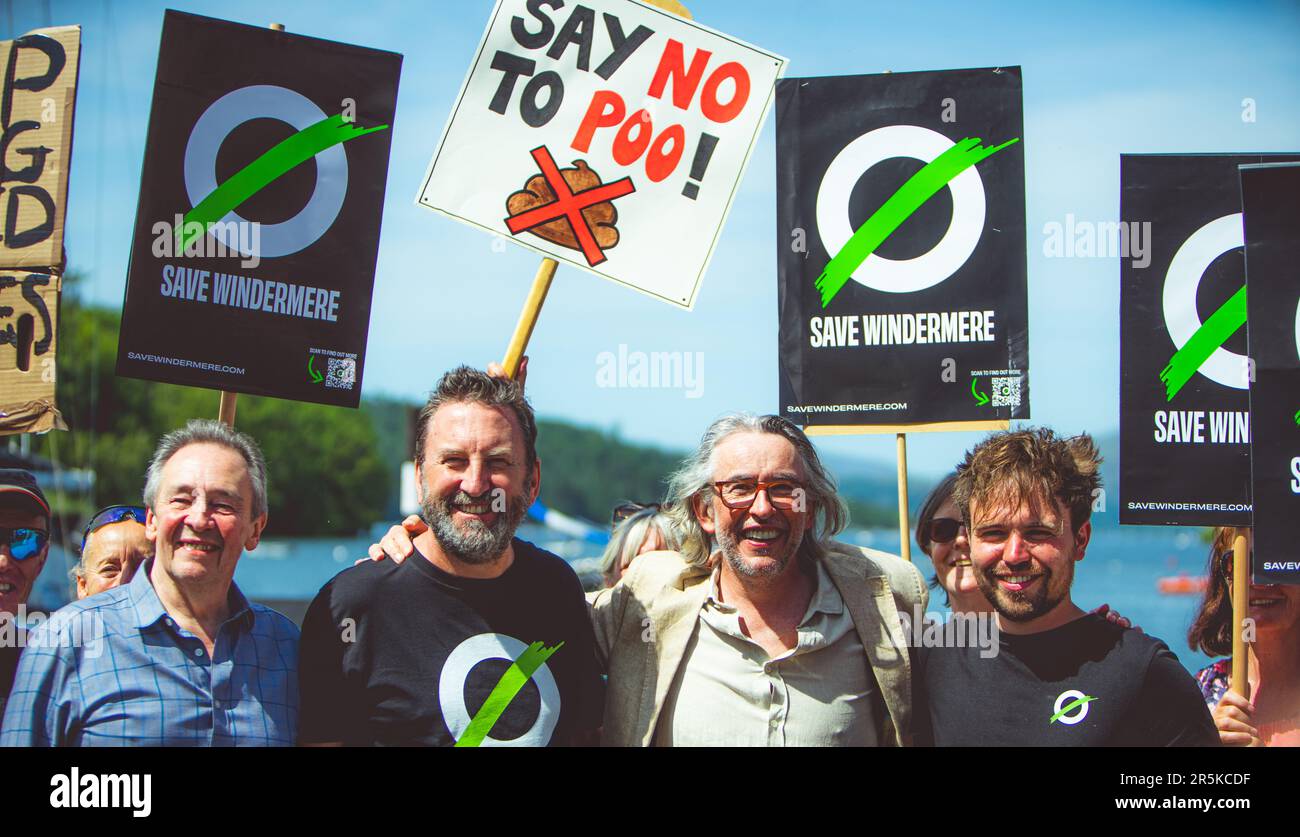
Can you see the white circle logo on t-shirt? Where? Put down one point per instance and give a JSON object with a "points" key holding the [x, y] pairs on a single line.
{"points": [[1071, 707], [455, 677]]}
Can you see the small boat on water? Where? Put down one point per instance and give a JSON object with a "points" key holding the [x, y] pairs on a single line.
{"points": [[1182, 585]]}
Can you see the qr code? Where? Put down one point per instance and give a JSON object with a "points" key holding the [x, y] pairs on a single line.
{"points": [[342, 373], [1006, 392]]}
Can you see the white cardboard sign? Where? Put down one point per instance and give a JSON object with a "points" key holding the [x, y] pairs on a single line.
{"points": [[607, 134]]}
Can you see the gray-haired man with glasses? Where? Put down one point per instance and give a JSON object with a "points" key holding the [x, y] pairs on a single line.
{"points": [[761, 630]]}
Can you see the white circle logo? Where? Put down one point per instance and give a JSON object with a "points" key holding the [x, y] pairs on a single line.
{"points": [[1075, 700], [928, 269], [455, 675], [1181, 282], [266, 101]]}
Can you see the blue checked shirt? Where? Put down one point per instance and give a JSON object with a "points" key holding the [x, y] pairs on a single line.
{"points": [[115, 670]]}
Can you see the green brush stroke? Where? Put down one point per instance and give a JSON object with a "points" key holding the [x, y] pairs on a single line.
{"points": [[919, 188], [266, 169], [519, 673], [1074, 704], [316, 377], [980, 398], [1221, 325]]}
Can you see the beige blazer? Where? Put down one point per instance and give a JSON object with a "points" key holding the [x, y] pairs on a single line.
{"points": [[644, 624]]}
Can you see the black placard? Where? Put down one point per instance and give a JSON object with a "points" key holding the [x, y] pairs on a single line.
{"points": [[933, 325], [275, 300], [1184, 415], [1271, 214]]}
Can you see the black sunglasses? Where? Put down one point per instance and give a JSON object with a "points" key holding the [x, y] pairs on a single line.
{"points": [[1225, 562], [943, 529], [108, 516]]}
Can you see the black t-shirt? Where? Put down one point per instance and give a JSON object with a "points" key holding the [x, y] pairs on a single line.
{"points": [[406, 654], [8, 668], [1089, 683]]}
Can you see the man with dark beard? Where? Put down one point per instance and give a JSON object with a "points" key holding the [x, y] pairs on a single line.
{"points": [[1060, 677], [481, 638]]}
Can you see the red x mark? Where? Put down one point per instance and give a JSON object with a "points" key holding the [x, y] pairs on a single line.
{"points": [[569, 205]]}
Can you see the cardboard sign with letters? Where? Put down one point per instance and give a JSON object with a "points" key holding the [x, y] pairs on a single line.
{"points": [[36, 109], [38, 95]]}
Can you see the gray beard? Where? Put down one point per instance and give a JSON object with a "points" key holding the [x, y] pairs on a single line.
{"points": [[731, 554], [476, 543]]}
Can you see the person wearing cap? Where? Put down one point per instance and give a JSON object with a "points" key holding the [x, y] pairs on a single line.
{"points": [[24, 543], [177, 657], [112, 547]]}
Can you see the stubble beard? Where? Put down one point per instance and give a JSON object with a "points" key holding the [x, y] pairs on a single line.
{"points": [[736, 560], [1019, 606], [475, 542]]}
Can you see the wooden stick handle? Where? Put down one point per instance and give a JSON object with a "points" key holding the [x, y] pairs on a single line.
{"points": [[528, 316], [1240, 612], [904, 533], [227, 410]]}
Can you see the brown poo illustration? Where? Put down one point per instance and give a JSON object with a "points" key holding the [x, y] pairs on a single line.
{"points": [[602, 217]]}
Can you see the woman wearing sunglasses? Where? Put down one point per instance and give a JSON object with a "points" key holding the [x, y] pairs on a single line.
{"points": [[112, 548], [941, 534], [1272, 715]]}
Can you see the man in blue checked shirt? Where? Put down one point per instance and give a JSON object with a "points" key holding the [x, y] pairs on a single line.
{"points": [[178, 657]]}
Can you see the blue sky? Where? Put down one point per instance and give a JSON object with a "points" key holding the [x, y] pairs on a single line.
{"points": [[1099, 79]]}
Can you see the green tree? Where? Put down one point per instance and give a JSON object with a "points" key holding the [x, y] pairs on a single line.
{"points": [[326, 476], [586, 472]]}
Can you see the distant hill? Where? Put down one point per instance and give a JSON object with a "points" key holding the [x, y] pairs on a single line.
{"points": [[586, 472]]}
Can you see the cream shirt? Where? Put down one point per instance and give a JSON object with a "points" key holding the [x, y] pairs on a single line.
{"points": [[728, 692]]}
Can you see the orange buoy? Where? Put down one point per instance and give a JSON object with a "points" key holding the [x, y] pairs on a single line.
{"points": [[1182, 585]]}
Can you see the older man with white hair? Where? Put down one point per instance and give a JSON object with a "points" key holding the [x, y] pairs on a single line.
{"points": [[177, 657], [762, 630]]}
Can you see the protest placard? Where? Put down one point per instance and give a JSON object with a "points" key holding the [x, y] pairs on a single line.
{"points": [[29, 307], [36, 111], [901, 248], [1271, 218], [610, 135], [1184, 409], [37, 102], [253, 260]]}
